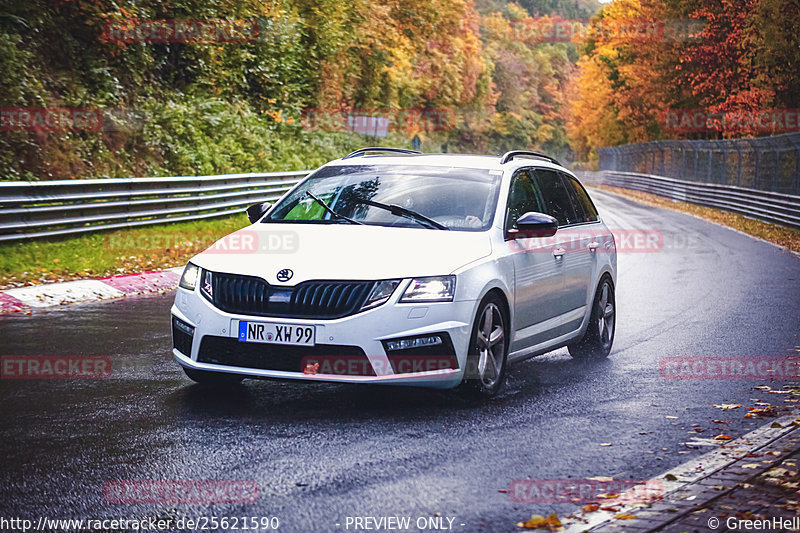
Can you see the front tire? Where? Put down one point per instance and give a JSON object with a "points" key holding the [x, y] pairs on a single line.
{"points": [[485, 372], [599, 336], [206, 377]]}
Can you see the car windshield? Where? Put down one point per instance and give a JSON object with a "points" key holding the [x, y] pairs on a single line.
{"points": [[461, 199]]}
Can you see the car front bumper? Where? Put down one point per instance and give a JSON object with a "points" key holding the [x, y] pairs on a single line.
{"points": [[335, 340]]}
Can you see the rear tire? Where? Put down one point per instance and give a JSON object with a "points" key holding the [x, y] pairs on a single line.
{"points": [[599, 336], [219, 379], [485, 372]]}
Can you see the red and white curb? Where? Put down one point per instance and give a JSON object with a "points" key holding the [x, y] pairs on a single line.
{"points": [[68, 292]]}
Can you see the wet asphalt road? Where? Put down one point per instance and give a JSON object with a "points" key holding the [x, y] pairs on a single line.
{"points": [[320, 453]]}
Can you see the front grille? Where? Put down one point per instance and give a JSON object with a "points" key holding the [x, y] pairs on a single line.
{"points": [[330, 358], [182, 334], [249, 295]]}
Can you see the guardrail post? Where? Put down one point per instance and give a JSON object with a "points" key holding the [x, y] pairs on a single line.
{"points": [[777, 173], [795, 140]]}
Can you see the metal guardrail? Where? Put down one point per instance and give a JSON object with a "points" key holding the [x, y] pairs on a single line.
{"points": [[32, 209], [772, 207]]}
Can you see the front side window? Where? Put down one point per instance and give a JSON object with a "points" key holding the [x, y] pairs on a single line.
{"points": [[556, 197], [462, 199], [522, 198]]}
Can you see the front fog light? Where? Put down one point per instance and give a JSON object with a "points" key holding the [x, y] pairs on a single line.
{"points": [[432, 289], [380, 293], [416, 342], [189, 277]]}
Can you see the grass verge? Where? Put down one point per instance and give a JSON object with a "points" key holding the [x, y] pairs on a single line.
{"points": [[780, 235], [109, 253]]}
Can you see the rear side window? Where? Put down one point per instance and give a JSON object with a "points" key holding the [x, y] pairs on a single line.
{"points": [[581, 198], [558, 203]]}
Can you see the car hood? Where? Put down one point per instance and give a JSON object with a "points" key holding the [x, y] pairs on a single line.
{"points": [[342, 251]]}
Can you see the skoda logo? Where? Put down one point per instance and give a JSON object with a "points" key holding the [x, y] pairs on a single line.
{"points": [[285, 274]]}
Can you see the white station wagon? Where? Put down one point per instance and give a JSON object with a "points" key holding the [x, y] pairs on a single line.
{"points": [[394, 267]]}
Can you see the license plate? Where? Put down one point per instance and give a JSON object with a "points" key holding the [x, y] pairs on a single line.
{"points": [[276, 333]]}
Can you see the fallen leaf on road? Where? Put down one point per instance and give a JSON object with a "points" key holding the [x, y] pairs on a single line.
{"points": [[720, 421], [670, 477], [625, 516], [675, 417], [608, 496], [723, 437], [727, 406], [590, 507], [601, 478], [605, 444], [537, 521], [775, 425], [750, 465]]}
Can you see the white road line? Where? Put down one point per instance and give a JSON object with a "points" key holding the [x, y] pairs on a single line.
{"points": [[687, 473]]}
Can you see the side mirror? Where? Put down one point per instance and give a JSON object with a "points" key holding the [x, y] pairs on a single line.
{"points": [[535, 225], [256, 211]]}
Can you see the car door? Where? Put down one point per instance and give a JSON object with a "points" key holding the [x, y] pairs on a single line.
{"points": [[538, 274], [594, 242], [573, 241]]}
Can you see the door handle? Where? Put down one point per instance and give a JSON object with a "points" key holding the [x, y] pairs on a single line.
{"points": [[558, 253], [594, 245]]}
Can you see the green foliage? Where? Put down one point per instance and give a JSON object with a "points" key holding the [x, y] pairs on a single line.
{"points": [[207, 108]]}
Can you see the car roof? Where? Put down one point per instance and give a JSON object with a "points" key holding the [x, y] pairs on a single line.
{"points": [[488, 162]]}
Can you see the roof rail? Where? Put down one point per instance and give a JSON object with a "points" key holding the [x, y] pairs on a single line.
{"points": [[363, 151], [508, 156]]}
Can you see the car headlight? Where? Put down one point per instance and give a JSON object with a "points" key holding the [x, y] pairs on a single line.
{"points": [[431, 289], [189, 277], [380, 293]]}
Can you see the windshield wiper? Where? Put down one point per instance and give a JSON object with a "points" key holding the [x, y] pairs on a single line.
{"points": [[333, 213], [405, 213]]}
